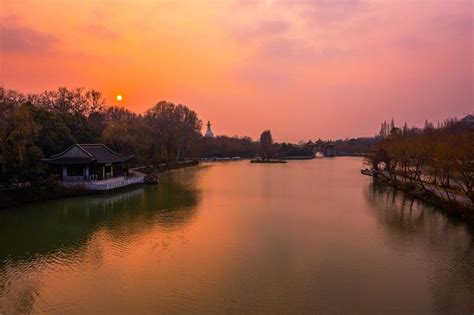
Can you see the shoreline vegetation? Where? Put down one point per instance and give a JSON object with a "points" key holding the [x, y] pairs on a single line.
{"points": [[461, 209], [168, 136], [434, 164], [165, 167], [49, 189], [38, 126]]}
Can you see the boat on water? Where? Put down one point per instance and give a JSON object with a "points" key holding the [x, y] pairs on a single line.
{"points": [[369, 172]]}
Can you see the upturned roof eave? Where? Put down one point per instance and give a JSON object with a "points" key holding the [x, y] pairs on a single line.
{"points": [[94, 153], [60, 160]]}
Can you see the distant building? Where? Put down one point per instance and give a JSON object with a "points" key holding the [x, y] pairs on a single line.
{"points": [[319, 146], [327, 148], [309, 145], [209, 133], [93, 166]]}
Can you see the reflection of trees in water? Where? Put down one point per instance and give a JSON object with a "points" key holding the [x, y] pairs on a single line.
{"points": [[403, 216], [66, 225], [448, 243], [72, 232]]}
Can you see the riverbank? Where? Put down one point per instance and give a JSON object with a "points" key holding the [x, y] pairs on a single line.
{"points": [[458, 207], [51, 189], [164, 167], [200, 223], [44, 190]]}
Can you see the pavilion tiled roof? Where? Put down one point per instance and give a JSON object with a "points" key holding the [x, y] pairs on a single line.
{"points": [[87, 153]]}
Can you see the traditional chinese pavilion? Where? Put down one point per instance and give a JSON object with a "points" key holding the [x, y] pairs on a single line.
{"points": [[89, 162]]}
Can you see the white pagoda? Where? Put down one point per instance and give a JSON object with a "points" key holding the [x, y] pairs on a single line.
{"points": [[209, 133]]}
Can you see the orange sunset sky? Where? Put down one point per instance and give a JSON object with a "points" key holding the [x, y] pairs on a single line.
{"points": [[304, 69]]}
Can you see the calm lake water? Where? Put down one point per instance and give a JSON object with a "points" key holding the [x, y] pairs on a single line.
{"points": [[303, 237]]}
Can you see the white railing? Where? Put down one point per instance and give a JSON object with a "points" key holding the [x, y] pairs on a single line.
{"points": [[109, 184], [113, 183], [73, 178]]}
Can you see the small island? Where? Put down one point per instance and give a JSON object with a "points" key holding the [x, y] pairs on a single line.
{"points": [[270, 161], [267, 150]]}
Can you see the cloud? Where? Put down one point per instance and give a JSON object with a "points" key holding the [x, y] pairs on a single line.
{"points": [[259, 30], [258, 75], [286, 49], [455, 24], [272, 27], [282, 63], [22, 40], [410, 42], [326, 12], [100, 31]]}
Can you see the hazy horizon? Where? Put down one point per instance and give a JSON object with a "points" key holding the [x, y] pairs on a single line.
{"points": [[302, 69]]}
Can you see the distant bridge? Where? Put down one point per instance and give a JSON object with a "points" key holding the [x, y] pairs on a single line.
{"points": [[328, 150], [325, 148]]}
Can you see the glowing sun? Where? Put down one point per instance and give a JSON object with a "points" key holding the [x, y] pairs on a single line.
{"points": [[119, 97]]}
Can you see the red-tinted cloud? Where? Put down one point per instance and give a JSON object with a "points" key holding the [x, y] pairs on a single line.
{"points": [[305, 69]]}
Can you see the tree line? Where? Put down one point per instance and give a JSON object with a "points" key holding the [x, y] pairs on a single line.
{"points": [[35, 126], [434, 159]]}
